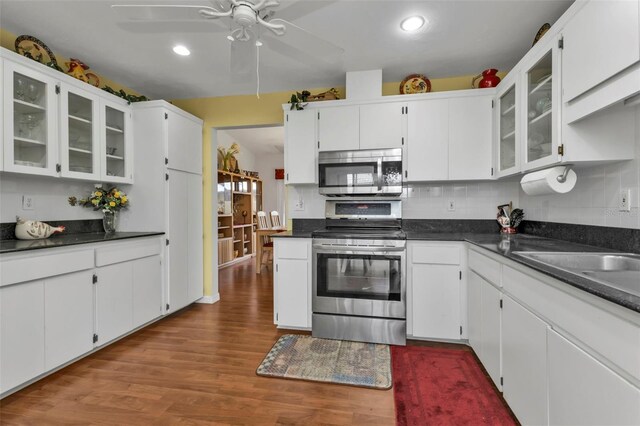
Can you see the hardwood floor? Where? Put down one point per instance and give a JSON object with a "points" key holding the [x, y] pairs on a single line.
{"points": [[195, 367]]}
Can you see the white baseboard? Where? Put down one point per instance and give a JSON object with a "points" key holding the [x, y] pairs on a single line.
{"points": [[209, 299]]}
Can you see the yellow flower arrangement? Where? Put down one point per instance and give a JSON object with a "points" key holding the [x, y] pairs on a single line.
{"points": [[112, 200]]}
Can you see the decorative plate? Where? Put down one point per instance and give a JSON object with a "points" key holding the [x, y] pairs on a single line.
{"points": [[543, 29], [35, 49], [415, 83]]}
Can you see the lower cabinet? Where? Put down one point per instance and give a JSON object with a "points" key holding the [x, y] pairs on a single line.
{"points": [[583, 391], [114, 307], [68, 317], [434, 291], [292, 282], [490, 324], [107, 290], [147, 290], [524, 363], [484, 302], [21, 333]]}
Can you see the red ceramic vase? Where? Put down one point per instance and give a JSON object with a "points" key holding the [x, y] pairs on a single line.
{"points": [[489, 79]]}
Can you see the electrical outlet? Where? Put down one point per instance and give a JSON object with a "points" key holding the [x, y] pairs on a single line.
{"points": [[299, 206], [625, 201], [451, 205], [27, 202]]}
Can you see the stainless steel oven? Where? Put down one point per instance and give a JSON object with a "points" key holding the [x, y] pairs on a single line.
{"points": [[362, 172], [359, 273]]}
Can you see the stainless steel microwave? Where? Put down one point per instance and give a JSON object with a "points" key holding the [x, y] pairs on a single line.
{"points": [[362, 172]]}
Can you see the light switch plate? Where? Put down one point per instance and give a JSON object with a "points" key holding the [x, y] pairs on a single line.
{"points": [[625, 200], [27, 202], [299, 206]]}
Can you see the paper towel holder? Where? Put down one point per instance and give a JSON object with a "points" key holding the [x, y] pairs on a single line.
{"points": [[563, 177]]}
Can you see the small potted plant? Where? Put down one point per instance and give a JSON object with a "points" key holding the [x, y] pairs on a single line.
{"points": [[110, 201]]}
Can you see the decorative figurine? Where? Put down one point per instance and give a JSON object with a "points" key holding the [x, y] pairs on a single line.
{"points": [[77, 70], [35, 230]]}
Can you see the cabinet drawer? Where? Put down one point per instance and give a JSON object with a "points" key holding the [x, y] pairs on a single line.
{"points": [[589, 324], [122, 252], [486, 267], [435, 254], [23, 268], [286, 248]]}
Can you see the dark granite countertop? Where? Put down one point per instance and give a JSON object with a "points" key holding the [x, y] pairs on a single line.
{"points": [[293, 234], [505, 245], [63, 240]]}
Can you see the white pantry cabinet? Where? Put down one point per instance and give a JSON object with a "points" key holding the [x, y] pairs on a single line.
{"points": [[292, 282], [55, 125], [434, 287], [300, 147], [591, 57], [168, 163]]}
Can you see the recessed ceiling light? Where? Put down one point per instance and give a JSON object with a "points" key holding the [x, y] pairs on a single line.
{"points": [[181, 50], [412, 23]]}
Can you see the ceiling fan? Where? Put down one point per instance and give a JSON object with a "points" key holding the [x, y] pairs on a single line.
{"points": [[250, 24]]}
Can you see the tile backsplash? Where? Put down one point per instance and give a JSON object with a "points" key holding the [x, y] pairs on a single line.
{"points": [[594, 200], [472, 200]]}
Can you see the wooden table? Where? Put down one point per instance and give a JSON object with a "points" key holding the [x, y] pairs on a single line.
{"points": [[260, 233]]}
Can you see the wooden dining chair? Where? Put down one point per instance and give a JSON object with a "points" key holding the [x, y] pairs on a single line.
{"points": [[275, 219], [267, 244]]}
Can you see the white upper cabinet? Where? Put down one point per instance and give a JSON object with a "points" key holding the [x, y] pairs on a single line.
{"points": [[55, 125], [339, 128], [508, 132], [470, 137], [382, 125], [79, 133], [541, 104], [117, 163], [428, 140], [30, 121], [300, 147], [601, 40]]}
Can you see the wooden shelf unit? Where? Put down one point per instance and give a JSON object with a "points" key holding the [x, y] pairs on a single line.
{"points": [[236, 233]]}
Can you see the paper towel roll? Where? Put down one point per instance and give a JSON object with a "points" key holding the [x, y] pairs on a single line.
{"points": [[546, 181]]}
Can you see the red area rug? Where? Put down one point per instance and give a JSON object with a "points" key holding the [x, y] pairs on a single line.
{"points": [[433, 386]]}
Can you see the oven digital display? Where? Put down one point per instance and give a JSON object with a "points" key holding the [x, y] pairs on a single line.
{"points": [[363, 209]]}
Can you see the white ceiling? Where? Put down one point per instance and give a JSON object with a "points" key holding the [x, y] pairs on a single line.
{"points": [[462, 37], [258, 140]]}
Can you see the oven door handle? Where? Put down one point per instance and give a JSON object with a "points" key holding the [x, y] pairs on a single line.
{"points": [[379, 173], [368, 251]]}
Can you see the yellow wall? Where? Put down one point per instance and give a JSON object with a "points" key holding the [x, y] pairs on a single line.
{"points": [[247, 110], [7, 40]]}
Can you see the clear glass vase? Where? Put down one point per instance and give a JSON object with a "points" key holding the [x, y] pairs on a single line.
{"points": [[110, 221]]}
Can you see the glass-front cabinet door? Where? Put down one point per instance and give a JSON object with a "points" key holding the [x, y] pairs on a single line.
{"points": [[79, 134], [508, 146], [116, 143], [30, 121], [542, 102]]}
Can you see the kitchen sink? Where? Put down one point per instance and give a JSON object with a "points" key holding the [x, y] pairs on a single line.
{"points": [[617, 270]]}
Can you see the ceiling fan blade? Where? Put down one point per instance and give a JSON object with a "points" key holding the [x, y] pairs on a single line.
{"points": [[292, 10], [306, 41], [161, 12]]}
